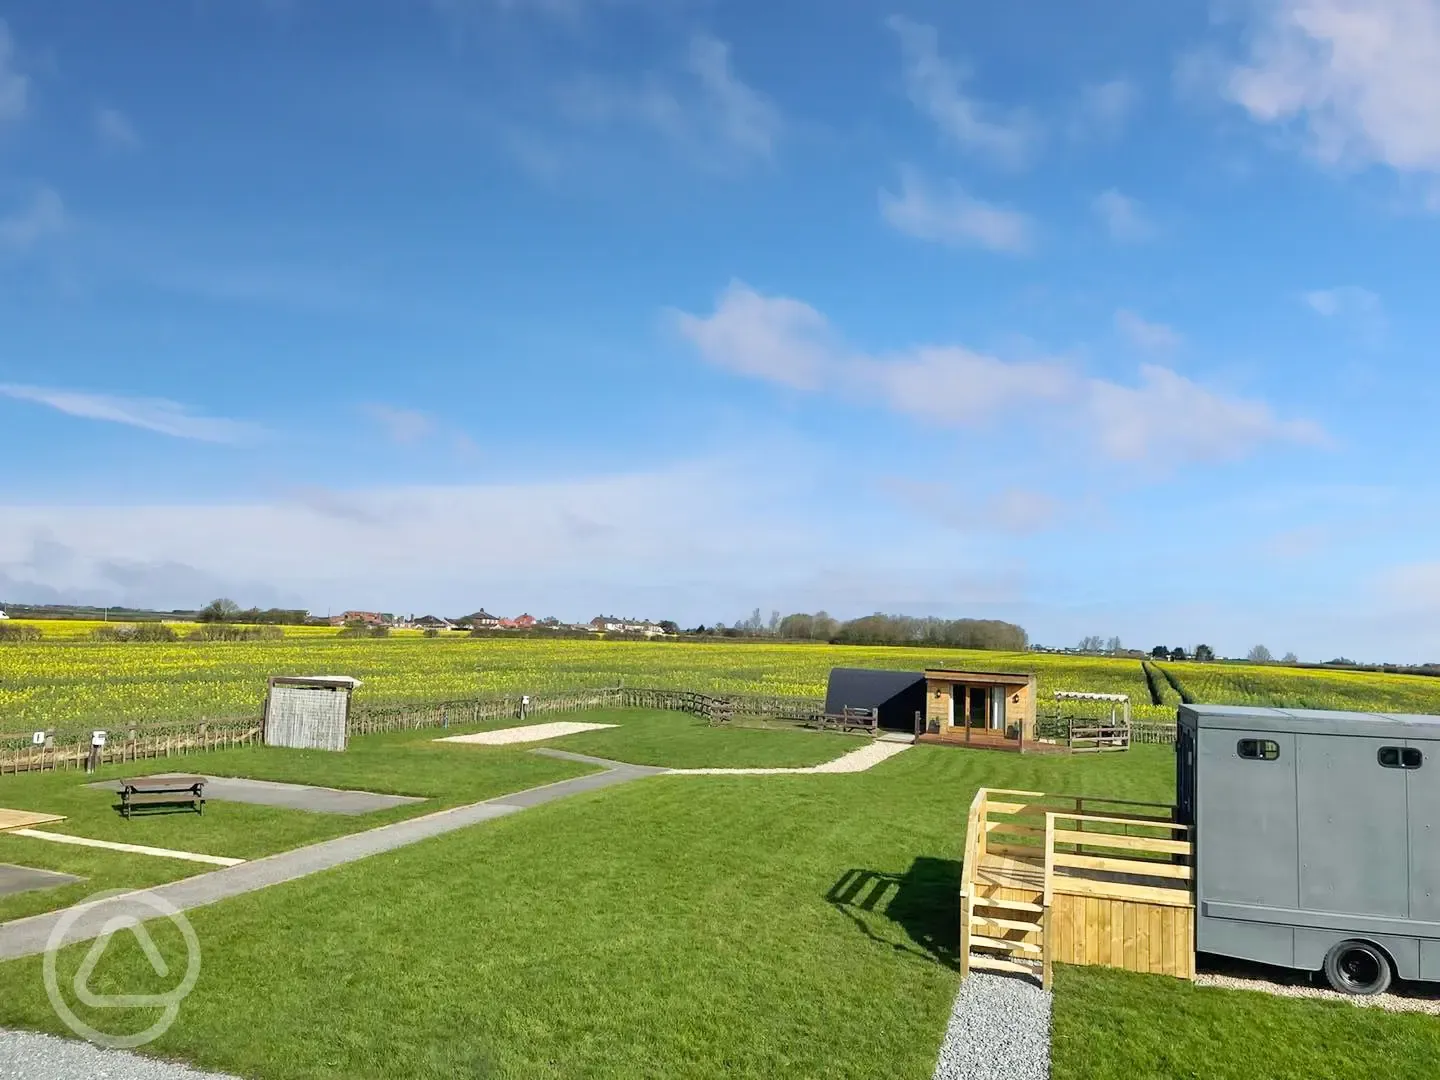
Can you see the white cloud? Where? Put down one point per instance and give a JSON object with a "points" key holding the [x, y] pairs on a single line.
{"points": [[1123, 217], [934, 84], [1360, 77], [114, 129], [400, 425], [954, 217], [1140, 332], [773, 338], [709, 113], [569, 545], [152, 414], [1104, 109], [1170, 416], [42, 217], [14, 87], [1166, 418]]}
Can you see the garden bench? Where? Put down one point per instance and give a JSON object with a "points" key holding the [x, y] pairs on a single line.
{"points": [[162, 791], [850, 719]]}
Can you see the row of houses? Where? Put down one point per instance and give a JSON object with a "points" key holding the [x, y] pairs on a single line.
{"points": [[483, 620]]}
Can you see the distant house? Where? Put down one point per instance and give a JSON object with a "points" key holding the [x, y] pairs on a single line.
{"points": [[523, 622], [369, 618], [433, 622], [482, 620], [608, 624]]}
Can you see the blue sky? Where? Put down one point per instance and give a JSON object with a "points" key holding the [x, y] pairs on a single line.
{"points": [[1112, 318]]}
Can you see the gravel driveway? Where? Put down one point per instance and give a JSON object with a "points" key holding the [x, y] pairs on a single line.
{"points": [[27, 1056]]}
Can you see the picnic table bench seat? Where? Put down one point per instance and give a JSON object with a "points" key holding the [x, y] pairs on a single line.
{"points": [[162, 791]]}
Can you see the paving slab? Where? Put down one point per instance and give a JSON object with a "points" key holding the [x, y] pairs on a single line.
{"points": [[315, 800], [18, 879], [525, 733]]}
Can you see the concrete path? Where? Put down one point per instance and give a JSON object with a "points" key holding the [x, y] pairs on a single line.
{"points": [[867, 757], [28, 937], [316, 800], [18, 879], [525, 733]]}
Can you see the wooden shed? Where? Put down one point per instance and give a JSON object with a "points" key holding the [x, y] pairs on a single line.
{"points": [[993, 709]]}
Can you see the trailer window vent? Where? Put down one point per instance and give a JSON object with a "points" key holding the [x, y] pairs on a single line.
{"points": [[1258, 749], [1400, 757]]}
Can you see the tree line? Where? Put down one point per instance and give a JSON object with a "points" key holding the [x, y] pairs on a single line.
{"points": [[878, 629]]}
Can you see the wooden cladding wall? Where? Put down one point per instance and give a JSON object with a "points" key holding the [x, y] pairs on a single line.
{"points": [[1156, 939]]}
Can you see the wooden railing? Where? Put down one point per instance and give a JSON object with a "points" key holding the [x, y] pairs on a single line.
{"points": [[133, 742], [1112, 877]]}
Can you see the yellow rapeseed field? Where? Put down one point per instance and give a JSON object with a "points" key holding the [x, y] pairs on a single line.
{"points": [[67, 682]]}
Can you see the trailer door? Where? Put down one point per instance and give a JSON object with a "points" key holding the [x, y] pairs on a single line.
{"points": [[1422, 790], [1354, 844]]}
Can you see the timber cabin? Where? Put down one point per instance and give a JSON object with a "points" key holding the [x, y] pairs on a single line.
{"points": [[990, 709]]}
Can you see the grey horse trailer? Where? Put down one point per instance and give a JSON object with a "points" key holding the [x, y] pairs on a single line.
{"points": [[1317, 839]]}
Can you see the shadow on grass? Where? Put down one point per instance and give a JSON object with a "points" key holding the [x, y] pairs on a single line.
{"points": [[924, 902]]}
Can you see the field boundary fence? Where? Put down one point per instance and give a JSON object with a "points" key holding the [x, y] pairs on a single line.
{"points": [[137, 742]]}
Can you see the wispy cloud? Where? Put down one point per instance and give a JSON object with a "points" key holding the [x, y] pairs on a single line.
{"points": [[41, 217], [1361, 78], [152, 414], [1123, 217], [935, 86], [1017, 511], [1163, 417], [14, 86], [402, 426], [1360, 310], [706, 109], [114, 129], [1103, 109], [951, 216], [1144, 334]]}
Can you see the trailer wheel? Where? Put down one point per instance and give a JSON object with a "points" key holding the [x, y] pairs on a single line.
{"points": [[1357, 967]]}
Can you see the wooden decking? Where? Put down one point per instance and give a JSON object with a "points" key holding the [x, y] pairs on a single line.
{"points": [[1077, 880], [25, 819], [983, 740]]}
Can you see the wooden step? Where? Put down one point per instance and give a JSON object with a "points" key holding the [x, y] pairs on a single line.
{"points": [[994, 963], [1013, 905], [1006, 924], [985, 941]]}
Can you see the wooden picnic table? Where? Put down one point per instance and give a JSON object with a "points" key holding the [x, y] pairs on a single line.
{"points": [[162, 791]]}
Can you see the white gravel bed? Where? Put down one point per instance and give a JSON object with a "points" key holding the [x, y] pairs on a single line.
{"points": [[1297, 985], [25, 1055], [529, 733], [999, 1030], [866, 757]]}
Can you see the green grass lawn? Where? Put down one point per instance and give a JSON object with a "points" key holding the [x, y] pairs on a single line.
{"points": [[681, 741], [1113, 1025], [405, 763], [676, 926], [691, 927], [400, 763]]}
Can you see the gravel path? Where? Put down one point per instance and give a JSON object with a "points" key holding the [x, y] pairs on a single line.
{"points": [[1401, 998], [27, 1056], [999, 1030], [867, 757]]}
